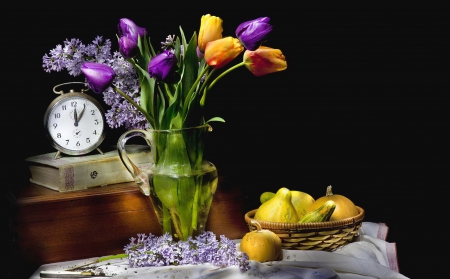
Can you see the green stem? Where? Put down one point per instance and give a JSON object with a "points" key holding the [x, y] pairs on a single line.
{"points": [[128, 98], [224, 73], [195, 208], [167, 223], [208, 77], [177, 225], [192, 89], [118, 256], [217, 79]]}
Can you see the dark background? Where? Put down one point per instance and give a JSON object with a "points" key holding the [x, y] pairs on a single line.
{"points": [[361, 105]]}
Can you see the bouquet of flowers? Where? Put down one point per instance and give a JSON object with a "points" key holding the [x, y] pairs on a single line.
{"points": [[166, 90]]}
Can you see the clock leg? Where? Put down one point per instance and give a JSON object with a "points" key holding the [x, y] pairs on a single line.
{"points": [[98, 149], [57, 155]]}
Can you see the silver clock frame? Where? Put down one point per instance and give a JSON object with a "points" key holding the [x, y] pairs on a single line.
{"points": [[60, 149]]}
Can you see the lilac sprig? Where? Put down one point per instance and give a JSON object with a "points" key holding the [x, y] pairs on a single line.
{"points": [[74, 53], [162, 250]]}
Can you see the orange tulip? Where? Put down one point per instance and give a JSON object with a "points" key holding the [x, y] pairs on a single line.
{"points": [[220, 52], [210, 30], [264, 60]]}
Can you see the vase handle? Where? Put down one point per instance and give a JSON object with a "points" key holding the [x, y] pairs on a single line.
{"points": [[139, 177]]}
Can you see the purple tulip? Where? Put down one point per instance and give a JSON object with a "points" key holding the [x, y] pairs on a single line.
{"points": [[253, 32], [164, 67], [128, 48], [130, 30], [99, 76]]}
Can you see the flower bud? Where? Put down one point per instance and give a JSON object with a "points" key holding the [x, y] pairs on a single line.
{"points": [[128, 48], [164, 67], [220, 52], [99, 76], [129, 29], [264, 60], [210, 30], [253, 32]]}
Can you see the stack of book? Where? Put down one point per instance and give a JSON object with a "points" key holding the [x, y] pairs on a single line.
{"points": [[71, 173]]}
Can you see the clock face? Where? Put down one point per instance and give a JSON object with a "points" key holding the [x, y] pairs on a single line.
{"points": [[75, 123]]}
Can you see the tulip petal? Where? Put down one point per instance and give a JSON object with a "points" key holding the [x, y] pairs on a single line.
{"points": [[164, 66], [253, 32], [99, 76], [128, 28], [210, 30], [127, 47], [264, 60], [220, 52]]}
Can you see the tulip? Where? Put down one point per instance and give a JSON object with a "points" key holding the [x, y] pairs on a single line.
{"points": [[128, 48], [264, 60], [210, 30], [99, 76], [129, 29], [253, 32], [164, 67], [220, 52]]}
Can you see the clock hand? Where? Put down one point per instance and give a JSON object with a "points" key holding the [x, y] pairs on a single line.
{"points": [[81, 113], [75, 116]]}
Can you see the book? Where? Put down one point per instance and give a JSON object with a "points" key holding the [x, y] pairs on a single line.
{"points": [[72, 173]]}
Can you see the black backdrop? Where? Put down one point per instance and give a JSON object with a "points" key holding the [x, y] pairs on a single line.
{"points": [[361, 105]]}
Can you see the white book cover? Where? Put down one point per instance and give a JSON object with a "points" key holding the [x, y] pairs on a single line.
{"points": [[70, 173]]}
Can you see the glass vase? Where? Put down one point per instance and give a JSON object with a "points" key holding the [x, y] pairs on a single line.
{"points": [[180, 182]]}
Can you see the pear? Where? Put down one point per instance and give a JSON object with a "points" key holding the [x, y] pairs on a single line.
{"points": [[278, 209], [300, 200]]}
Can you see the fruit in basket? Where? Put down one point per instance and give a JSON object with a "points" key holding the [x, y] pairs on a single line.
{"points": [[266, 196], [261, 245], [278, 209], [345, 208], [300, 200], [321, 214]]}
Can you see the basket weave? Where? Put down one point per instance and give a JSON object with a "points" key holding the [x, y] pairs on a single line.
{"points": [[323, 236]]}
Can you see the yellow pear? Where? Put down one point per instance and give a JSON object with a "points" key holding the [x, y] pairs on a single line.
{"points": [[278, 209], [301, 201]]}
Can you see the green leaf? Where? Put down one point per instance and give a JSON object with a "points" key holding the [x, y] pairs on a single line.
{"points": [[147, 90], [190, 71], [216, 119]]}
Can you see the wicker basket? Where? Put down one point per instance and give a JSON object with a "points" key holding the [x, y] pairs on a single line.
{"points": [[324, 236]]}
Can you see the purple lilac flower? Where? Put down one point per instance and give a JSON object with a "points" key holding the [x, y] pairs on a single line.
{"points": [[74, 53], [152, 250]]}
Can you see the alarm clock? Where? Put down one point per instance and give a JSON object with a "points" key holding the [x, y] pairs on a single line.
{"points": [[75, 122]]}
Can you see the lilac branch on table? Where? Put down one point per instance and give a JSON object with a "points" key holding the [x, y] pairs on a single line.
{"points": [[152, 250]]}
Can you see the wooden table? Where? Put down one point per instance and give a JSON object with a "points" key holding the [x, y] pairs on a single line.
{"points": [[54, 227]]}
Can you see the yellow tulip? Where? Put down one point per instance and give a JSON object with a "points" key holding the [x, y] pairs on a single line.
{"points": [[210, 30], [220, 52], [264, 60]]}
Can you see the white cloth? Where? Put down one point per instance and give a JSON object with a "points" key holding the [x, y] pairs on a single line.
{"points": [[370, 256]]}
